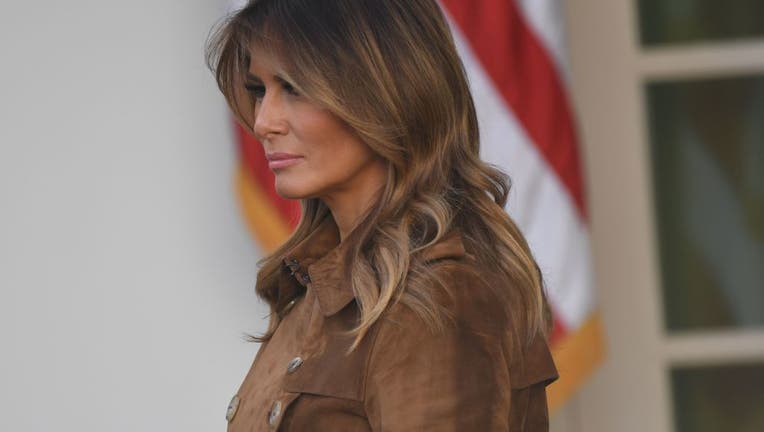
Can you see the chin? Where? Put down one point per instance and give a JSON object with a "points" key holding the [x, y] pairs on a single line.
{"points": [[291, 190]]}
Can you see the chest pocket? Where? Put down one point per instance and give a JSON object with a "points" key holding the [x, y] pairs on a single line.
{"points": [[327, 369], [326, 393]]}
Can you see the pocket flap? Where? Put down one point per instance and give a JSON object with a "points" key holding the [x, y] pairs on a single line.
{"points": [[330, 371]]}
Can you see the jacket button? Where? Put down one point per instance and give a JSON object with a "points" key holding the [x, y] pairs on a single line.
{"points": [[287, 309], [232, 407], [294, 364], [273, 416]]}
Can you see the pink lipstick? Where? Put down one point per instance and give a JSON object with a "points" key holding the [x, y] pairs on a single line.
{"points": [[282, 160]]}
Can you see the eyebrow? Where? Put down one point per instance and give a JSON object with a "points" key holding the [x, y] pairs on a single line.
{"points": [[255, 78]]}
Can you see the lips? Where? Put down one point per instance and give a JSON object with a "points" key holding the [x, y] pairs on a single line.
{"points": [[281, 156], [282, 160]]}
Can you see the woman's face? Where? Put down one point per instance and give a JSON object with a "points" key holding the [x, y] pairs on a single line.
{"points": [[312, 153]]}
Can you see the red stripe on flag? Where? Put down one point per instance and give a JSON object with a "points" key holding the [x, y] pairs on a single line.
{"points": [[253, 156], [524, 74]]}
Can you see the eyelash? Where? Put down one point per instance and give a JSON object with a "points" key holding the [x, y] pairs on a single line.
{"points": [[258, 91]]}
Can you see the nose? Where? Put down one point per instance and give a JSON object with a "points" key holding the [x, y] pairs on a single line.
{"points": [[269, 117]]}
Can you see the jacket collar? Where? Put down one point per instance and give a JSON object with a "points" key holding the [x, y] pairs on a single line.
{"points": [[317, 263]]}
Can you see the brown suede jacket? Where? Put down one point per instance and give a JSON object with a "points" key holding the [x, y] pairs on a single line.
{"points": [[403, 376]]}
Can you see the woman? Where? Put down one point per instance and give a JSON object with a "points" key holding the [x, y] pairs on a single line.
{"points": [[406, 299]]}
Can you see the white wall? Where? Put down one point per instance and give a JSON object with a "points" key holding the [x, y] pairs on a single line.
{"points": [[126, 273]]}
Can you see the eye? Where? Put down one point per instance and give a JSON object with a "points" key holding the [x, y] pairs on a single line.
{"points": [[256, 90], [290, 89]]}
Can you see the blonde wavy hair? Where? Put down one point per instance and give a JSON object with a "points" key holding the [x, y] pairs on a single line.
{"points": [[390, 70]]}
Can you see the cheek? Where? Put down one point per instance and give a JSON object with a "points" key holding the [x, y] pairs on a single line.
{"points": [[333, 157], [331, 147], [337, 153]]}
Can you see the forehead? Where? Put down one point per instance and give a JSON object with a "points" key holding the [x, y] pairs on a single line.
{"points": [[264, 62]]}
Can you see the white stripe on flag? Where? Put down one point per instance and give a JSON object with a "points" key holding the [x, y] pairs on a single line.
{"points": [[546, 20]]}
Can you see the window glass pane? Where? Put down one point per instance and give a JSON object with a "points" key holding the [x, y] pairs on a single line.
{"points": [[719, 398], [676, 21], [707, 150]]}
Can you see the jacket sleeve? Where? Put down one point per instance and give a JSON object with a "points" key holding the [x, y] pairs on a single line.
{"points": [[457, 379]]}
